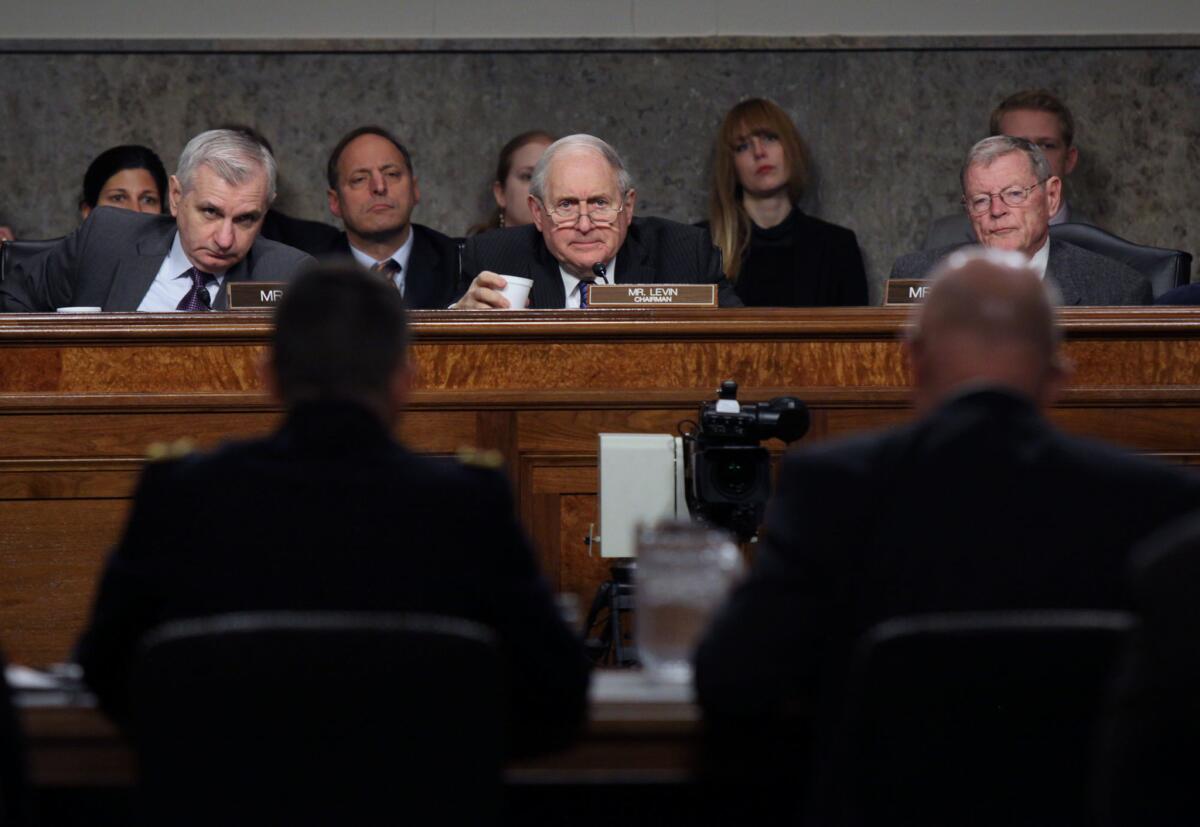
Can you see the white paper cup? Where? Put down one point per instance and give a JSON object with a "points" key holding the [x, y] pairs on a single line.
{"points": [[78, 310], [516, 291]]}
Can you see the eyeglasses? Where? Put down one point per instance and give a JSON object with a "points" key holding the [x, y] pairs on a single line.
{"points": [[567, 212], [1011, 196]]}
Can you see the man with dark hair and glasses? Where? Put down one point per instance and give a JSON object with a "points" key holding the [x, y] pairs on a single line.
{"points": [[583, 231], [1009, 194]]}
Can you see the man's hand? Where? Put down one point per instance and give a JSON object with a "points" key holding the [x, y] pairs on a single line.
{"points": [[484, 293]]}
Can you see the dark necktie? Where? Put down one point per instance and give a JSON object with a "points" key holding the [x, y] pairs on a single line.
{"points": [[197, 298], [585, 286], [387, 270]]}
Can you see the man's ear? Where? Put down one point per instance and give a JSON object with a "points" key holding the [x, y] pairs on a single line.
{"points": [[631, 201], [1071, 160], [335, 203], [1053, 194], [539, 218], [174, 194]]}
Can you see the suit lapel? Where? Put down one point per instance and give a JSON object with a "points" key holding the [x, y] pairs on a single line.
{"points": [[633, 263], [420, 282], [547, 290], [136, 270], [1062, 275]]}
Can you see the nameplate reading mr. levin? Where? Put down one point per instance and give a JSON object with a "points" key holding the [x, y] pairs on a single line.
{"points": [[906, 291], [652, 295], [254, 295]]}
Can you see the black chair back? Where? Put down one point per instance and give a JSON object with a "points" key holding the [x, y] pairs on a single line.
{"points": [[981, 719], [17, 252], [1165, 268], [319, 718]]}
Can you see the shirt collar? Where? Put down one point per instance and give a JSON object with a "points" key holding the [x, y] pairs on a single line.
{"points": [[571, 283], [1041, 258], [178, 263], [401, 257]]}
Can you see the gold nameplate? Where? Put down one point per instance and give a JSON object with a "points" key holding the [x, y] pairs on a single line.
{"points": [[652, 295], [253, 295], [906, 291]]}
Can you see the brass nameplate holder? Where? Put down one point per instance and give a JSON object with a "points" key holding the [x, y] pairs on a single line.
{"points": [[652, 295], [253, 295], [906, 291]]}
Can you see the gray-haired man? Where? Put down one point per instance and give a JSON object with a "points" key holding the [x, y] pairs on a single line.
{"points": [[582, 199], [122, 261], [1010, 193]]}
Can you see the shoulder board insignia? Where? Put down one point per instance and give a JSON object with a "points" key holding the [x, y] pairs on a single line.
{"points": [[480, 459]]}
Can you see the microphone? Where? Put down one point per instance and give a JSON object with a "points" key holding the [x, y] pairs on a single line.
{"points": [[599, 270]]}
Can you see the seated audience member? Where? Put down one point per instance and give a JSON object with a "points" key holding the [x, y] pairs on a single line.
{"points": [[313, 237], [1040, 118], [373, 189], [129, 177], [121, 260], [775, 254], [582, 199], [979, 504], [360, 523], [1010, 193], [510, 188]]}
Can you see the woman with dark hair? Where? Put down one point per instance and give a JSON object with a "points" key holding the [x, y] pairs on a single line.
{"points": [[773, 253], [510, 188], [131, 177]]}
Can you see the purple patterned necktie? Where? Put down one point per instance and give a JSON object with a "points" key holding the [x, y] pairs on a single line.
{"points": [[197, 298], [387, 270]]}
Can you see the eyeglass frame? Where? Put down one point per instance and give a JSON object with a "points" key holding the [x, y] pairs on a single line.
{"points": [[569, 222], [992, 196]]}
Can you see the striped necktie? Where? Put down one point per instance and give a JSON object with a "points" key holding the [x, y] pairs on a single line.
{"points": [[197, 298], [387, 270]]}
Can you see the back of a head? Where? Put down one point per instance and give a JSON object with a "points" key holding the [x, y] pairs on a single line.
{"points": [[339, 334], [989, 319]]}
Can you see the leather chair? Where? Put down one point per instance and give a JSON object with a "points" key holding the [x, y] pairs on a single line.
{"points": [[981, 719], [318, 718], [21, 250], [1151, 747], [1165, 268]]}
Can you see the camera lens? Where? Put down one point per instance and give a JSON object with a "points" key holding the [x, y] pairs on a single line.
{"points": [[733, 477]]}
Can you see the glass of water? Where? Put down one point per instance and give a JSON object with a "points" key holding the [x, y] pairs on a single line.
{"points": [[684, 571]]}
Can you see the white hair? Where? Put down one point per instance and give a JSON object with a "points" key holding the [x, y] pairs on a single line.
{"points": [[997, 146], [589, 143], [234, 156]]}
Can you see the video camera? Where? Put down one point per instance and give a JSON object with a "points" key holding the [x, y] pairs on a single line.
{"points": [[727, 470]]}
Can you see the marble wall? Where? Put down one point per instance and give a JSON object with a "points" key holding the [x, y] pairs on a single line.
{"points": [[887, 126]]}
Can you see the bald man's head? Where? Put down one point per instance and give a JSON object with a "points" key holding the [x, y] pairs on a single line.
{"points": [[989, 320]]}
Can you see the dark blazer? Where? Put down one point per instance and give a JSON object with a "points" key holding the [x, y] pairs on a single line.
{"points": [[982, 505], [329, 513], [1081, 276], [656, 251], [956, 229], [826, 268], [313, 237], [431, 280], [111, 260]]}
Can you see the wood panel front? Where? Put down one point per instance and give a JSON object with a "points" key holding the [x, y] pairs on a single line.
{"points": [[82, 398]]}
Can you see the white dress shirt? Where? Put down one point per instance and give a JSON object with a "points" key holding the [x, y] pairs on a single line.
{"points": [[401, 257], [174, 281], [571, 283]]}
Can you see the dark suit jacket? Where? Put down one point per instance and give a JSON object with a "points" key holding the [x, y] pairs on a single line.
{"points": [[1081, 276], [330, 513], [431, 280], [956, 229], [313, 237], [111, 260], [982, 505], [656, 251]]}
